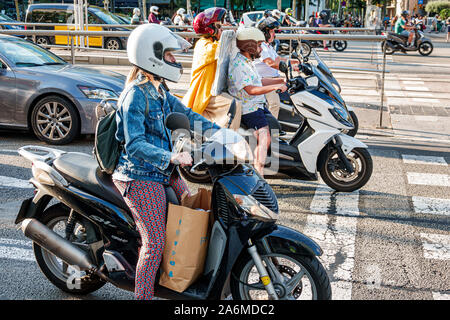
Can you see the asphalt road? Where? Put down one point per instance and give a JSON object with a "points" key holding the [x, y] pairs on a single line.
{"points": [[389, 240]]}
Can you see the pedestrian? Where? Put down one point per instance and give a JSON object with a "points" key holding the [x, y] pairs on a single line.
{"points": [[448, 29], [152, 17], [147, 163]]}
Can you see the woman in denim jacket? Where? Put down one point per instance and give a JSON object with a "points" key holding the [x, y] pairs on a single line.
{"points": [[146, 163]]}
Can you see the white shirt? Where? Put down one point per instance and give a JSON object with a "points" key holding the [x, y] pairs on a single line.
{"points": [[263, 69]]}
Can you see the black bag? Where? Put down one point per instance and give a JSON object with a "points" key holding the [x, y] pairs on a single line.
{"points": [[107, 148]]}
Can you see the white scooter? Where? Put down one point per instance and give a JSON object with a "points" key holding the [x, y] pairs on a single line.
{"points": [[318, 144]]}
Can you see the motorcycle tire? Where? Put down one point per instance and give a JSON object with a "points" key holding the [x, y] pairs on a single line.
{"points": [[48, 263], [245, 278], [306, 48], [201, 177], [425, 48], [340, 45], [387, 49], [355, 122], [336, 177]]}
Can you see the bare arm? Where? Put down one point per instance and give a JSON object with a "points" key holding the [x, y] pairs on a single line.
{"points": [[270, 81], [256, 90]]}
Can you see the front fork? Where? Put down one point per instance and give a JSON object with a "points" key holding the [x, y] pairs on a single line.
{"points": [[263, 274]]}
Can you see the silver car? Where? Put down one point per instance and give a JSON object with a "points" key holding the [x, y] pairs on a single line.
{"points": [[41, 92]]}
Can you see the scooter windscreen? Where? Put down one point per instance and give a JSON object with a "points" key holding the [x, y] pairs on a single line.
{"points": [[227, 147], [325, 70], [325, 82]]}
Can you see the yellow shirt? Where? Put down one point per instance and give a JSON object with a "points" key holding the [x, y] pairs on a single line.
{"points": [[202, 75]]}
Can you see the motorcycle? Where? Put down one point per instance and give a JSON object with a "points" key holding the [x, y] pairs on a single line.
{"points": [[396, 42], [88, 237], [318, 143], [338, 45], [289, 120]]}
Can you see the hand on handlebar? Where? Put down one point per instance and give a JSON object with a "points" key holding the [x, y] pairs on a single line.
{"points": [[183, 159], [282, 88]]}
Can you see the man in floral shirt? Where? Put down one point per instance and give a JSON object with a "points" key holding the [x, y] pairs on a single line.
{"points": [[244, 83]]}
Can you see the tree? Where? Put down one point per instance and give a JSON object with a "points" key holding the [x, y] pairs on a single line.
{"points": [[437, 6], [17, 9]]}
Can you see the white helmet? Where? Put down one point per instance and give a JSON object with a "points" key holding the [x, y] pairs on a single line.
{"points": [[154, 9], [181, 11], [147, 45], [276, 13], [136, 11]]}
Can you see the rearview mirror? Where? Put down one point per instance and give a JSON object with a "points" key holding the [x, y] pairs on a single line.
{"points": [[283, 67], [177, 120]]}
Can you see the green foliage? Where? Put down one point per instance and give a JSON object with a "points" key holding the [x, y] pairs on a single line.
{"points": [[437, 6], [444, 14]]}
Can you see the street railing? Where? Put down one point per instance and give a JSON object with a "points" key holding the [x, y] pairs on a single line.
{"points": [[282, 36]]}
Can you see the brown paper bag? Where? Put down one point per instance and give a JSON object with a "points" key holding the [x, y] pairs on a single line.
{"points": [[187, 235]]}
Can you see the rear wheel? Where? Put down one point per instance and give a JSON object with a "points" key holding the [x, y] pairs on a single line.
{"points": [[43, 41], [387, 49], [65, 277], [335, 175], [306, 49], [295, 277], [113, 44]]}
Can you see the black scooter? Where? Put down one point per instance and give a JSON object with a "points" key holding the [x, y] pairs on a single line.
{"points": [[90, 228], [396, 42]]}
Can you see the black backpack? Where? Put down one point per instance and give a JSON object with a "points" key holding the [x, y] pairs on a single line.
{"points": [[107, 148]]}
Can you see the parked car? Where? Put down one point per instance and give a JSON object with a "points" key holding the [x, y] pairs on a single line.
{"points": [[125, 18], [64, 14], [41, 92], [249, 18], [4, 19]]}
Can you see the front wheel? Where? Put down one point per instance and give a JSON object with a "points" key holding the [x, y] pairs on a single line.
{"points": [[335, 175], [294, 276], [340, 45], [305, 48], [425, 48], [388, 49]]}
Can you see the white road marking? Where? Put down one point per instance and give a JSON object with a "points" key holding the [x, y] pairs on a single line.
{"points": [[427, 118], [430, 179], [10, 182], [409, 88], [431, 205], [416, 159], [436, 246], [334, 229], [13, 249], [419, 94], [414, 82], [441, 296], [426, 100]]}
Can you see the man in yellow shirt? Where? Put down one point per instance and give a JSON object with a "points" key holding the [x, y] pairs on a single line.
{"points": [[204, 63]]}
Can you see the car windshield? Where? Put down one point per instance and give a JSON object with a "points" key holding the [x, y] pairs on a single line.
{"points": [[26, 54], [107, 17], [4, 17]]}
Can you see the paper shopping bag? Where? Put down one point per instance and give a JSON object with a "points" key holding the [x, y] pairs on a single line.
{"points": [[187, 233]]}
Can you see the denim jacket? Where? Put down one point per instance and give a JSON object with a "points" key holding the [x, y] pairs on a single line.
{"points": [[147, 149]]}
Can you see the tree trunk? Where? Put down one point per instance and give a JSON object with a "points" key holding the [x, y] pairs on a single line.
{"points": [[279, 5], [17, 10], [188, 6], [144, 9]]}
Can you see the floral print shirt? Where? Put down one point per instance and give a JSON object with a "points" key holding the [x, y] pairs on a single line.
{"points": [[242, 73]]}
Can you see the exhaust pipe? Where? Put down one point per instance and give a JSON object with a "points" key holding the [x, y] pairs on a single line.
{"points": [[54, 243]]}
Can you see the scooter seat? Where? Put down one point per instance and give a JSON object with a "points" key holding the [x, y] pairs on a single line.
{"points": [[82, 171]]}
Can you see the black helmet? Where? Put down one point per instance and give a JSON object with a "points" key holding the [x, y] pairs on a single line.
{"points": [[405, 13], [323, 14], [266, 24], [267, 13]]}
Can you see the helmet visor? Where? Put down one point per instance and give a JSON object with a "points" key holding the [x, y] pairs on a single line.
{"points": [[181, 44]]}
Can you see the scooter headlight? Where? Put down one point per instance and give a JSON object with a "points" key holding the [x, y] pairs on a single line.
{"points": [[251, 206], [340, 114]]}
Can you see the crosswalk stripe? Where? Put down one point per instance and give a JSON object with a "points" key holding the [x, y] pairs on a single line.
{"points": [[436, 246], [418, 159], [334, 229], [441, 296], [430, 179], [14, 183], [12, 249], [431, 205], [414, 82]]}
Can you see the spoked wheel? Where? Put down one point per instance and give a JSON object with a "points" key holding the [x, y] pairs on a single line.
{"points": [[295, 277], [306, 49], [340, 45], [335, 175], [67, 278], [425, 48]]}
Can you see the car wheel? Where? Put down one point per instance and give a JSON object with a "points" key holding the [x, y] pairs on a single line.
{"points": [[43, 41], [54, 120], [113, 44]]}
